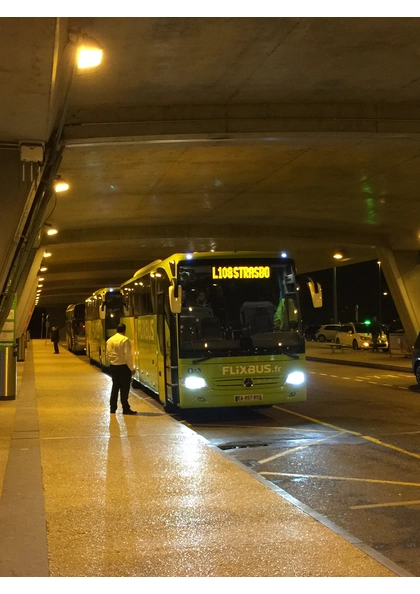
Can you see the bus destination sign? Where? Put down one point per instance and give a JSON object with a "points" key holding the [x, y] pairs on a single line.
{"points": [[241, 272]]}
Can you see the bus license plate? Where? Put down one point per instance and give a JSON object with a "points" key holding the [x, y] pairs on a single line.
{"points": [[248, 397]]}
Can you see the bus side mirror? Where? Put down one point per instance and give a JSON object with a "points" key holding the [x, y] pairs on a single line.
{"points": [[316, 293], [175, 297]]}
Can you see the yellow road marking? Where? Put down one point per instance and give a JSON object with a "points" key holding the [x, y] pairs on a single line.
{"points": [[342, 478], [357, 380], [391, 504], [366, 437], [315, 421]]}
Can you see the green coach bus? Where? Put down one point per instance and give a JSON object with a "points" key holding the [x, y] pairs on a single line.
{"points": [[217, 330], [103, 312]]}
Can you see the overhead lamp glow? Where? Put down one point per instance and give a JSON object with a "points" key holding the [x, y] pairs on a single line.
{"points": [[47, 255], [189, 256], [338, 256], [89, 53], [283, 255], [41, 278], [43, 269], [60, 185], [52, 232]]}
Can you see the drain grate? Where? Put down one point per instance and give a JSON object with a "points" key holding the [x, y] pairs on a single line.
{"points": [[244, 445]]}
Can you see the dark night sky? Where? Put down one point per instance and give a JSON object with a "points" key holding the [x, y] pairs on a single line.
{"points": [[357, 284]]}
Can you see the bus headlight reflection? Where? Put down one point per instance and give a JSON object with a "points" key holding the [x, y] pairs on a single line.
{"points": [[295, 378]]}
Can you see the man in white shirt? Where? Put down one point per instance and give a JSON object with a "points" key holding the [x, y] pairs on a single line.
{"points": [[118, 351]]}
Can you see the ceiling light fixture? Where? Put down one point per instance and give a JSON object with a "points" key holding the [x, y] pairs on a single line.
{"points": [[89, 52], [60, 185], [52, 232], [338, 255], [47, 255]]}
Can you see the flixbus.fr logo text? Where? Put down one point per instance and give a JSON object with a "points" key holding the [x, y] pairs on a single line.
{"points": [[250, 369]]}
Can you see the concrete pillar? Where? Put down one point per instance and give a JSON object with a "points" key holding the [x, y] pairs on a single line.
{"points": [[8, 373], [21, 345], [402, 273]]}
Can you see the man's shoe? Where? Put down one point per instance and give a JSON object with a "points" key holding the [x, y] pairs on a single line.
{"points": [[129, 412]]}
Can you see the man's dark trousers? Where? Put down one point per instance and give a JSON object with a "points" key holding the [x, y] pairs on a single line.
{"points": [[121, 380]]}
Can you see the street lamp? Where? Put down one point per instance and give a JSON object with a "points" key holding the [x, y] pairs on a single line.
{"points": [[335, 294], [379, 290]]}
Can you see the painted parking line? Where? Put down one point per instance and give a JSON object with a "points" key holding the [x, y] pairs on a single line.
{"points": [[340, 478], [366, 437], [293, 450], [390, 504]]}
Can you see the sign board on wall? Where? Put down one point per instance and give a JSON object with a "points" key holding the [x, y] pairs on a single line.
{"points": [[7, 334]]}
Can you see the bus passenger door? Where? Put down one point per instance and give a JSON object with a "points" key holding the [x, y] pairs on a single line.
{"points": [[161, 363], [166, 371]]}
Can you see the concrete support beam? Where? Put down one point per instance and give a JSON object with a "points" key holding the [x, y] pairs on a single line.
{"points": [[357, 237], [402, 273], [263, 120]]}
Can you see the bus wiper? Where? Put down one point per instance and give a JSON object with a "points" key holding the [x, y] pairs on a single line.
{"points": [[212, 356]]}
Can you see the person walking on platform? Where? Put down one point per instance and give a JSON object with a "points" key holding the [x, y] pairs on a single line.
{"points": [[118, 351], [55, 338], [376, 332]]}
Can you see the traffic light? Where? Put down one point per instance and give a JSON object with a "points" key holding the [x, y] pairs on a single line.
{"points": [[367, 322]]}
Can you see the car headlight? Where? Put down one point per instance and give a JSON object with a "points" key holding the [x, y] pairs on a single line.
{"points": [[194, 383], [296, 378]]}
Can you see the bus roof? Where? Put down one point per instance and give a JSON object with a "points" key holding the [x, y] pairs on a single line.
{"points": [[179, 257], [104, 291]]}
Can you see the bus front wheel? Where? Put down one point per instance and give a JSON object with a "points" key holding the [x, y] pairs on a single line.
{"points": [[169, 407]]}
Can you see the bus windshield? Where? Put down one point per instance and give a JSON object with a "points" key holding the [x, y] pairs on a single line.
{"points": [[239, 307], [113, 310]]}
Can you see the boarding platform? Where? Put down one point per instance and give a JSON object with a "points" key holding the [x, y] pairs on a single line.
{"points": [[88, 494]]}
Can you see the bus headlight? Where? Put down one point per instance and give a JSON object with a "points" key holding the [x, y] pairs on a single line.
{"points": [[295, 378], [194, 383]]}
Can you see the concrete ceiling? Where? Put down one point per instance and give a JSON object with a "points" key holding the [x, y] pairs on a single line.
{"points": [[299, 134]]}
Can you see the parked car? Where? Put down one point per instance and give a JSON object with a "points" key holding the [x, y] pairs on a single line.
{"points": [[310, 332], [416, 359], [358, 336], [327, 332]]}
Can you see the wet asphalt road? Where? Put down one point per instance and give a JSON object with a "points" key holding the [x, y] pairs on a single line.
{"points": [[351, 452]]}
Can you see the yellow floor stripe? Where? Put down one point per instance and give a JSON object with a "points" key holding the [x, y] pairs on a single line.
{"points": [[366, 437], [342, 478], [392, 504]]}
